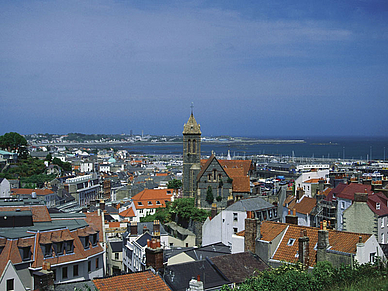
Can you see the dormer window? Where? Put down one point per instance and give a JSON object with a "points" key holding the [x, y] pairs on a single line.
{"points": [[69, 247], [58, 248], [378, 206], [158, 202], [149, 203], [25, 253], [47, 250], [139, 203], [85, 241], [94, 239]]}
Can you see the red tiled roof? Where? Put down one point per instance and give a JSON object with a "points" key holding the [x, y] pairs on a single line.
{"points": [[312, 181], [161, 174], [306, 205], [23, 191], [153, 196], [127, 213], [346, 191], [341, 241], [373, 201], [128, 282], [114, 224]]}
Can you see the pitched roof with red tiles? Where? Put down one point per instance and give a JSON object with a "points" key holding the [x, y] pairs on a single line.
{"points": [[378, 203], [237, 170], [306, 205], [341, 241], [346, 191], [128, 282], [311, 181], [156, 197], [127, 213], [23, 191], [269, 231]]}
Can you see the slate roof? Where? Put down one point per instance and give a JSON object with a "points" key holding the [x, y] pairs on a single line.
{"points": [[340, 241], [178, 276], [240, 266], [380, 198], [208, 251], [251, 204], [116, 246], [129, 282], [142, 240], [39, 212]]}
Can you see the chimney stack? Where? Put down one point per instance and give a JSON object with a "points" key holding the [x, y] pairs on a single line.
{"points": [[133, 228], [213, 210], [252, 232], [154, 254], [304, 251], [196, 284], [156, 228], [102, 205], [323, 242]]}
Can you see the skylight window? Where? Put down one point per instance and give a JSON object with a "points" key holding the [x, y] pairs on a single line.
{"points": [[291, 242]]}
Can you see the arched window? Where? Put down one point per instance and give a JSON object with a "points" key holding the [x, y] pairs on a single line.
{"points": [[214, 175], [189, 146], [194, 146]]}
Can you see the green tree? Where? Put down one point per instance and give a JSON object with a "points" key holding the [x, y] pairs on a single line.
{"points": [[49, 157], [174, 184], [14, 142], [209, 195]]}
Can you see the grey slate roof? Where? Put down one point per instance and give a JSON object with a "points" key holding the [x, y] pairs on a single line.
{"points": [[251, 204], [240, 266], [178, 276], [116, 246], [209, 251]]}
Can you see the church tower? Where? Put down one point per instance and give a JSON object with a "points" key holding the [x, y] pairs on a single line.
{"points": [[191, 156]]}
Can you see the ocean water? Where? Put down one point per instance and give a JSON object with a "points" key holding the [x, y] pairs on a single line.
{"points": [[364, 148]]}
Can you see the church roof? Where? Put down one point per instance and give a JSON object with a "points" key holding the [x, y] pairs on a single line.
{"points": [[191, 127]]}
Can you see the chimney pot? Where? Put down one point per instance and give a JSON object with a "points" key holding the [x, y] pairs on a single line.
{"points": [[198, 278]]}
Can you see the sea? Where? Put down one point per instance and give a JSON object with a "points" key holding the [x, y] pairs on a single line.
{"points": [[347, 148]]}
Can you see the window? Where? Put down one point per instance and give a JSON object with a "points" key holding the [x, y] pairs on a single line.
{"points": [[235, 217], [94, 239], [235, 230], [342, 204], [275, 212], [372, 257], [382, 222], [117, 256], [382, 238], [89, 266], [55, 274], [194, 146], [270, 213], [75, 271], [85, 241], [139, 203], [10, 285], [158, 202], [149, 202], [378, 206], [69, 246], [46, 249], [291, 242], [97, 264], [64, 273], [25, 253], [214, 175], [58, 248]]}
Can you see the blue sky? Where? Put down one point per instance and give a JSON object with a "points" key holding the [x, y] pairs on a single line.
{"points": [[253, 68]]}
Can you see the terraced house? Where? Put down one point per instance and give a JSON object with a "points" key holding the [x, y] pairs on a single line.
{"points": [[51, 248]]}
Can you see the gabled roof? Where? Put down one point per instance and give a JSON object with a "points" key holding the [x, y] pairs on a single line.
{"points": [[346, 191], [340, 241], [306, 205], [378, 203], [240, 266], [137, 281], [127, 213]]}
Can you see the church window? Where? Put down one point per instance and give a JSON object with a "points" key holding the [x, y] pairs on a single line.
{"points": [[189, 146], [194, 146], [214, 175]]}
